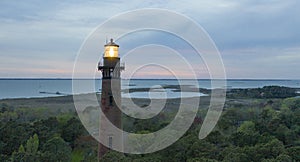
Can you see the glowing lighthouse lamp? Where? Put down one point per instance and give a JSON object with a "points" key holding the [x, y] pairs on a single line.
{"points": [[111, 49]]}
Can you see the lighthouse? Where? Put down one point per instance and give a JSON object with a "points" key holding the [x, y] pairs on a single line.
{"points": [[110, 99]]}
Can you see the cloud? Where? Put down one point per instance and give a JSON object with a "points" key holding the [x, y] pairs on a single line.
{"points": [[279, 63], [252, 24], [250, 33]]}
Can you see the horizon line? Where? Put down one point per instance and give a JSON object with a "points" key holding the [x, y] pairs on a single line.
{"points": [[62, 78]]}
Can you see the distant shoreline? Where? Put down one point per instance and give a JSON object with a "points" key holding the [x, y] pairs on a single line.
{"points": [[133, 90], [46, 87], [205, 79]]}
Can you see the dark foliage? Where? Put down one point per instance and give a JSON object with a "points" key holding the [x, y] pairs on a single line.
{"points": [[259, 130], [265, 92]]}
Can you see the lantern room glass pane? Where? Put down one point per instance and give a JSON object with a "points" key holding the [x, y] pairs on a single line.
{"points": [[111, 51]]}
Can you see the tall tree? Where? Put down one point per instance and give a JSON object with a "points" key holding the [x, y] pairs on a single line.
{"points": [[29, 152], [71, 130], [56, 149]]}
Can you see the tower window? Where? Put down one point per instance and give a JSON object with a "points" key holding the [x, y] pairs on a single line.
{"points": [[111, 100], [110, 142]]}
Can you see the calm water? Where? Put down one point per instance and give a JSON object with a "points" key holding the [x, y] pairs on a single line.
{"points": [[26, 88]]}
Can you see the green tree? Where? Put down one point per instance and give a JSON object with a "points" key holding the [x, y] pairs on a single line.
{"points": [[29, 152], [202, 148], [56, 149], [268, 120], [235, 157], [284, 134], [145, 158], [46, 129], [292, 103], [294, 152], [179, 149], [242, 139], [141, 143], [272, 149], [217, 138], [112, 156], [72, 130], [19, 155], [32, 144], [14, 134], [90, 155], [268, 160], [246, 135], [201, 160], [283, 158], [229, 121], [247, 127]]}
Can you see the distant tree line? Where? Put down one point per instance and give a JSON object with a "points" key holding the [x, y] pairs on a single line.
{"points": [[265, 92]]}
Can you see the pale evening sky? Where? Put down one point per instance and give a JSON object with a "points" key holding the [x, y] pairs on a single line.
{"points": [[256, 38]]}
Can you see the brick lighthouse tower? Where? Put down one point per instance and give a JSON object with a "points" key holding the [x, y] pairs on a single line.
{"points": [[110, 99]]}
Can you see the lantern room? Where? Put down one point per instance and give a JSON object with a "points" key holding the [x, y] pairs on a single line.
{"points": [[111, 49]]}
